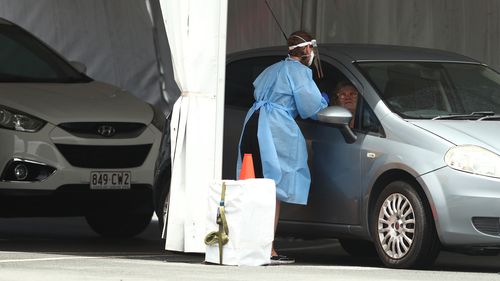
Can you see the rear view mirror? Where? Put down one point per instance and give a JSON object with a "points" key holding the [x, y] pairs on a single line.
{"points": [[80, 67], [339, 117]]}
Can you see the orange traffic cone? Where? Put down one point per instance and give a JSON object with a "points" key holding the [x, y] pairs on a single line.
{"points": [[247, 171]]}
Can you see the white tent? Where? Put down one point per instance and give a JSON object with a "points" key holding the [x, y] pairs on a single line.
{"points": [[197, 34]]}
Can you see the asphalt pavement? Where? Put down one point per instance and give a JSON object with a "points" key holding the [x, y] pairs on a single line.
{"points": [[66, 249]]}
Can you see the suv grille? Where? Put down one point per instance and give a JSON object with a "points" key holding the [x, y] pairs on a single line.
{"points": [[105, 156], [91, 129]]}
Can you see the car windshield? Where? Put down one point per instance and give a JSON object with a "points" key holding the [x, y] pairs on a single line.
{"points": [[436, 90], [23, 58]]}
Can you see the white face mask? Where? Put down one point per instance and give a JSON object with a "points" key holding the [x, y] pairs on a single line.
{"points": [[311, 58]]}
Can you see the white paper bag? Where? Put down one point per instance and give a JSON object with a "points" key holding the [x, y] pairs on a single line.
{"points": [[249, 207]]}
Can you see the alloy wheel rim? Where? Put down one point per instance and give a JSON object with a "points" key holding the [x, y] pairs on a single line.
{"points": [[396, 226]]}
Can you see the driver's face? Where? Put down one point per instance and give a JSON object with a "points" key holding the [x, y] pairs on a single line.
{"points": [[348, 97]]}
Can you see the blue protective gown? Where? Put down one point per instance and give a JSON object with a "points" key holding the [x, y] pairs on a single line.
{"points": [[283, 91]]}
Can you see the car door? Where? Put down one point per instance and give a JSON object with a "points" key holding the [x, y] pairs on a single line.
{"points": [[337, 167], [338, 172], [335, 178], [334, 195]]}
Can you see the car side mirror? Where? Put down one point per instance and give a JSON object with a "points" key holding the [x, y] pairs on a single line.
{"points": [[339, 117], [80, 67]]}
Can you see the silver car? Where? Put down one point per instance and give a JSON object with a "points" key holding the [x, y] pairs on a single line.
{"points": [[72, 146], [420, 169]]}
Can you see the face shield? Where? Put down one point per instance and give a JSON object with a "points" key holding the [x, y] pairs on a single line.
{"points": [[315, 53]]}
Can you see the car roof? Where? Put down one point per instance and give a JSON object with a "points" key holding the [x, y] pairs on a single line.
{"points": [[362, 52], [367, 52]]}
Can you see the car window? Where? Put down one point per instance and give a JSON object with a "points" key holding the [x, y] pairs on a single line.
{"points": [[240, 76], [427, 90], [327, 84], [23, 58]]}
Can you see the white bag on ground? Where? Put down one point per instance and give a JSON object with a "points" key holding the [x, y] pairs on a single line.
{"points": [[249, 207]]}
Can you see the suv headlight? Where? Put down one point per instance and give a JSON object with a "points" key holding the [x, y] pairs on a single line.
{"points": [[158, 118], [473, 159], [19, 121]]}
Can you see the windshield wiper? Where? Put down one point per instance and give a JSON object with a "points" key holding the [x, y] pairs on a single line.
{"points": [[473, 115]]}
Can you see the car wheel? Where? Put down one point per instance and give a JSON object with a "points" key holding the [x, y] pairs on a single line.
{"points": [[403, 228], [358, 248], [119, 225]]}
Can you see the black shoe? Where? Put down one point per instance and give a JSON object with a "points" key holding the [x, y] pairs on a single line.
{"points": [[280, 259]]}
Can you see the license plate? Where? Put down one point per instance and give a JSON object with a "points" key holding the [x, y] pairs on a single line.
{"points": [[110, 180]]}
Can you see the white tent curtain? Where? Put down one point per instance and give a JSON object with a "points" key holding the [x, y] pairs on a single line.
{"points": [[468, 27], [196, 31]]}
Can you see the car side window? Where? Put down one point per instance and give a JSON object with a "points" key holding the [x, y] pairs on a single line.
{"points": [[365, 120], [331, 77], [240, 76]]}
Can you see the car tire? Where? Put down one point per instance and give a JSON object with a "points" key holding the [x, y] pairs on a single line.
{"points": [[358, 248], [403, 228], [119, 225]]}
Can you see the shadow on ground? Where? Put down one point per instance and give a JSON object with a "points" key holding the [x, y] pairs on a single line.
{"points": [[51, 235]]}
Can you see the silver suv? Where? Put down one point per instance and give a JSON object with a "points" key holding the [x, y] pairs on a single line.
{"points": [[72, 146]]}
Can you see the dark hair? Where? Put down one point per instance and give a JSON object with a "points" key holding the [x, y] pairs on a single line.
{"points": [[296, 38]]}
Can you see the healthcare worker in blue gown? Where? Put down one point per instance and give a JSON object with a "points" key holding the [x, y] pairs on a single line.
{"points": [[283, 91]]}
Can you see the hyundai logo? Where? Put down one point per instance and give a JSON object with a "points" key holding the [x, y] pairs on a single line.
{"points": [[106, 130]]}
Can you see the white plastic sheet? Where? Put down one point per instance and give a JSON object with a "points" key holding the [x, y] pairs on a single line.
{"points": [[249, 206], [196, 31]]}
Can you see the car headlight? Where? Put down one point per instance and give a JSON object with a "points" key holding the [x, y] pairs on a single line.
{"points": [[158, 118], [473, 159], [19, 121]]}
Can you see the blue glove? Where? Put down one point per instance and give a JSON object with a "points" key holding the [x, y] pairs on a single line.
{"points": [[325, 96]]}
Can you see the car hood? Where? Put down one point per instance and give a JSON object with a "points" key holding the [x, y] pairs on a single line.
{"points": [[460, 132], [79, 102]]}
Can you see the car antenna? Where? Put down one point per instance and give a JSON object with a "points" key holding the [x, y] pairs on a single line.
{"points": [[275, 19]]}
